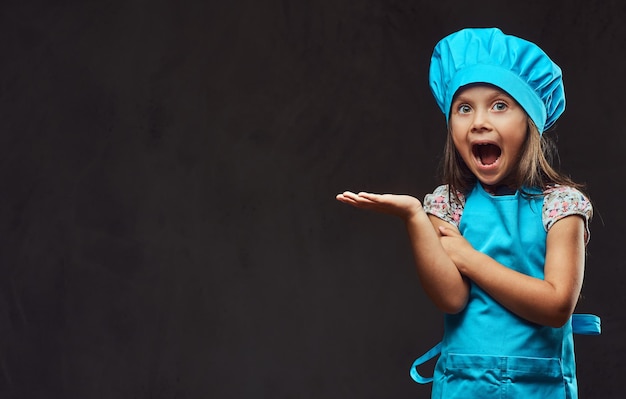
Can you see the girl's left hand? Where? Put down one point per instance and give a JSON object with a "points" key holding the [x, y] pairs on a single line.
{"points": [[456, 246]]}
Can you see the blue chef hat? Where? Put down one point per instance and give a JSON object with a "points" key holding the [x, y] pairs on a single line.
{"points": [[486, 55]]}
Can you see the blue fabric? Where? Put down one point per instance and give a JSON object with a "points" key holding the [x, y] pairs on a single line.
{"points": [[417, 377], [517, 66], [586, 324], [486, 349], [583, 324]]}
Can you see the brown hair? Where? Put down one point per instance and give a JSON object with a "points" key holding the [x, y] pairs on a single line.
{"points": [[535, 168]]}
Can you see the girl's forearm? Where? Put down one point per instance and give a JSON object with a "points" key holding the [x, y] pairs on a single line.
{"points": [[439, 276], [533, 299]]}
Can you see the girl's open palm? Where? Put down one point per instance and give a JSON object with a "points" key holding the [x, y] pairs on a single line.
{"points": [[402, 206]]}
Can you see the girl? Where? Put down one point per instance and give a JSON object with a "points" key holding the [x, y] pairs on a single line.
{"points": [[500, 246]]}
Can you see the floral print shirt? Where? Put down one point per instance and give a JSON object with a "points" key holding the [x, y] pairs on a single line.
{"points": [[559, 202]]}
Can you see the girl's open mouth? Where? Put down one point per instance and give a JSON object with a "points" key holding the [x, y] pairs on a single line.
{"points": [[487, 153]]}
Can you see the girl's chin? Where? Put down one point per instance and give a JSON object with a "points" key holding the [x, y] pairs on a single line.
{"points": [[488, 179]]}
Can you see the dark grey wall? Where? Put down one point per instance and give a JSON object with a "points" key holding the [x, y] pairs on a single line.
{"points": [[168, 227]]}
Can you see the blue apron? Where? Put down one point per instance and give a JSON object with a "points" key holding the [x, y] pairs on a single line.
{"points": [[488, 351]]}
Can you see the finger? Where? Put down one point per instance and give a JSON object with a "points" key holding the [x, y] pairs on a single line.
{"points": [[349, 194], [357, 197], [342, 198], [444, 230], [353, 199], [364, 201], [370, 196], [346, 199], [449, 231]]}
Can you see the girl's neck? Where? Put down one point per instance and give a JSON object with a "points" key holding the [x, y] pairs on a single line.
{"points": [[500, 189]]}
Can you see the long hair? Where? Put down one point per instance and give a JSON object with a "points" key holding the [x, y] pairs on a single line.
{"points": [[535, 166]]}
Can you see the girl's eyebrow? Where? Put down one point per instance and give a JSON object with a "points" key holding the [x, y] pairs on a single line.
{"points": [[461, 98], [501, 93]]}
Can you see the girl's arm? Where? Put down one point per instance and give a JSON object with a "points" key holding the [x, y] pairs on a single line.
{"points": [[550, 301], [438, 275]]}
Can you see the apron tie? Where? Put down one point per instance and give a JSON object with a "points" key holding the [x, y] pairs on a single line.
{"points": [[582, 324]]}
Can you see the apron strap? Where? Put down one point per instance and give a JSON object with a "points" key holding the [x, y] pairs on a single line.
{"points": [[584, 324], [432, 352]]}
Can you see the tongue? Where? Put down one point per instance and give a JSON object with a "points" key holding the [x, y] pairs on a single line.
{"points": [[488, 153]]}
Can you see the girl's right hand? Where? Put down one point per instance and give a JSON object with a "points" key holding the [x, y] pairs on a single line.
{"points": [[402, 206], [440, 278]]}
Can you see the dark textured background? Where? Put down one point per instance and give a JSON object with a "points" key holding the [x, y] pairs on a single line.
{"points": [[168, 227]]}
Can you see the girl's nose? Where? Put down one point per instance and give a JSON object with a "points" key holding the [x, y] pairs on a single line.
{"points": [[480, 123]]}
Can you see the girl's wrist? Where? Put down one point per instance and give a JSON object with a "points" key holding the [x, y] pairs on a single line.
{"points": [[472, 258], [417, 215]]}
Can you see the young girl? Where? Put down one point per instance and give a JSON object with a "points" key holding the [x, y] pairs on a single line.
{"points": [[500, 246]]}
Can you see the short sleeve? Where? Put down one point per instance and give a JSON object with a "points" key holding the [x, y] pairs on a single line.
{"points": [[562, 201], [446, 207]]}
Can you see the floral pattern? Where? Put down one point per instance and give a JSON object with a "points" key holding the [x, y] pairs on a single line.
{"points": [[559, 202]]}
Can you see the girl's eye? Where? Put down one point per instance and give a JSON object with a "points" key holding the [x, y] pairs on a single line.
{"points": [[499, 106], [464, 109]]}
